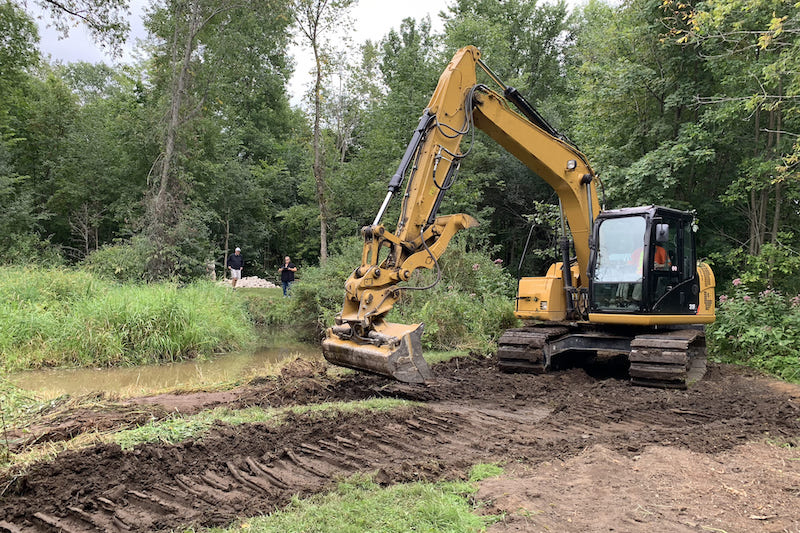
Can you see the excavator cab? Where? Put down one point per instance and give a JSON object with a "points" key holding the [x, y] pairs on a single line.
{"points": [[644, 262]]}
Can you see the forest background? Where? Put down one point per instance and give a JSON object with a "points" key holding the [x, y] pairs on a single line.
{"points": [[150, 170]]}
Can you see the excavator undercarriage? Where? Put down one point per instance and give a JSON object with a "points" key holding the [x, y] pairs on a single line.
{"points": [[666, 358]]}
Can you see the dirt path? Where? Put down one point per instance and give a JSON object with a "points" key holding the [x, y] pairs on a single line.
{"points": [[583, 453]]}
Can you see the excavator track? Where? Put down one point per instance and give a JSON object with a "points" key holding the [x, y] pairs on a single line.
{"points": [[670, 359], [664, 358], [522, 349]]}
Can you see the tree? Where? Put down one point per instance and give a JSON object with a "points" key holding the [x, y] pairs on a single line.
{"points": [[19, 220], [105, 19], [525, 42], [523, 39], [219, 77], [389, 90], [751, 48], [315, 19], [101, 168]]}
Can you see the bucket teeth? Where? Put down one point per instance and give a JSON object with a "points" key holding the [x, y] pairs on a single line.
{"points": [[393, 350]]}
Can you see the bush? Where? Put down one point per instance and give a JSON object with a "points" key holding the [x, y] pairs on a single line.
{"points": [[476, 273], [126, 262], [318, 293], [458, 320], [28, 249], [775, 267], [760, 330]]}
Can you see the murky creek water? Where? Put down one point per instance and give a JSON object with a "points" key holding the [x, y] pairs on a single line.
{"points": [[51, 383]]}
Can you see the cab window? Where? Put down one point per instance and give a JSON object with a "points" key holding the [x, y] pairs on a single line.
{"points": [[619, 250]]}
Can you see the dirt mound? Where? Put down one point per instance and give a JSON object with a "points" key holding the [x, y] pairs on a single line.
{"points": [[665, 489], [302, 368], [592, 449]]}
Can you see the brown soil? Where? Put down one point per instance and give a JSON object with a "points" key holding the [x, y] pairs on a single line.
{"points": [[583, 450]]}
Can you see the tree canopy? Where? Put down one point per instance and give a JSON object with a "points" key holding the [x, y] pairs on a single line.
{"points": [[171, 161]]}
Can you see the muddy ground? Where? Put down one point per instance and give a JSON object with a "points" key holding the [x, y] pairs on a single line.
{"points": [[583, 451]]}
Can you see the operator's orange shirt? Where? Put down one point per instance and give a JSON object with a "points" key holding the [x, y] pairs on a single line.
{"points": [[661, 257]]}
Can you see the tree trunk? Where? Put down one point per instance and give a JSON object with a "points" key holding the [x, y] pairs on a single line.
{"points": [[173, 123], [752, 214], [319, 177], [227, 243], [776, 215]]}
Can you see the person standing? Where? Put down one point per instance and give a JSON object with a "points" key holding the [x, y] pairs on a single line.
{"points": [[287, 275], [235, 264]]}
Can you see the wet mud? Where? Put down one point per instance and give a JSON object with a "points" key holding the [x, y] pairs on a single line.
{"points": [[470, 414]]}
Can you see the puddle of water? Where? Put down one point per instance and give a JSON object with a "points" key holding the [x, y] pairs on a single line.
{"points": [[51, 383]]}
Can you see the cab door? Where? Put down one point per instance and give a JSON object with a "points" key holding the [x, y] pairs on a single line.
{"points": [[673, 286]]}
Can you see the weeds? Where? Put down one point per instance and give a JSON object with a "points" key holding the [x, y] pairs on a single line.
{"points": [[59, 317]]}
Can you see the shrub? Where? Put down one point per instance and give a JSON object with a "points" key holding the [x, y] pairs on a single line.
{"points": [[476, 273], [28, 249], [124, 261], [774, 267], [318, 293], [760, 330]]}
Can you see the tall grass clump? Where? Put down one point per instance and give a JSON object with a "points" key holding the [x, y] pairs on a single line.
{"points": [[761, 330], [59, 317], [468, 308]]}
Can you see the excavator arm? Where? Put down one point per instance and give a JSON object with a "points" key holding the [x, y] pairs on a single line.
{"points": [[361, 338]]}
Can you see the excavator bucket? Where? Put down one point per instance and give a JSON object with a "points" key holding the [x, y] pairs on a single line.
{"points": [[391, 350]]}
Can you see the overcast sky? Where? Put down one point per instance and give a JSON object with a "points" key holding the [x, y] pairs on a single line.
{"points": [[373, 19]]}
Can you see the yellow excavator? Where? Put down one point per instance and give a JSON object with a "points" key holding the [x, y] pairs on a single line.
{"points": [[633, 287]]}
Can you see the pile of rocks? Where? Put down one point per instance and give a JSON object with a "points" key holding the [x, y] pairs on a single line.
{"points": [[253, 282]]}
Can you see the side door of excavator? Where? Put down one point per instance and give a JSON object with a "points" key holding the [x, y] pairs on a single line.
{"points": [[672, 286]]}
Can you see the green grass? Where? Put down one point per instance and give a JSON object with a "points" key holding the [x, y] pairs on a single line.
{"points": [[358, 505], [59, 317], [438, 356], [267, 307], [17, 404]]}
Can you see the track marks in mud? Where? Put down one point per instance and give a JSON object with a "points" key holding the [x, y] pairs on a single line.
{"points": [[473, 414], [261, 478]]}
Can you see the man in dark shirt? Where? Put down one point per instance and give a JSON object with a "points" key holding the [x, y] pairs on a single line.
{"points": [[235, 264], [287, 275]]}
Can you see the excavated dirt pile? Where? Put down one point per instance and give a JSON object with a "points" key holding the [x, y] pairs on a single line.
{"points": [[583, 451]]}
